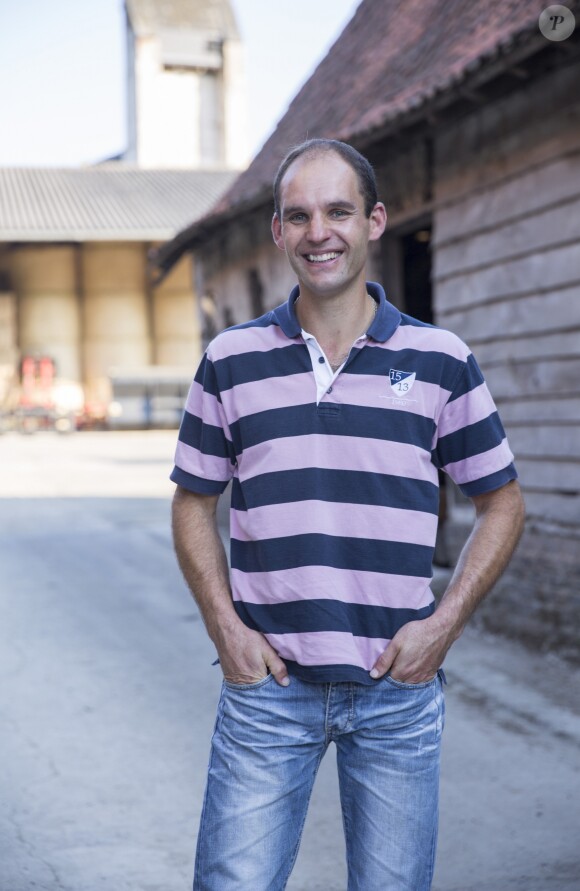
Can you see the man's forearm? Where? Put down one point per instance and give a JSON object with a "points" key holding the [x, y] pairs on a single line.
{"points": [[202, 557], [485, 555], [418, 649], [245, 655]]}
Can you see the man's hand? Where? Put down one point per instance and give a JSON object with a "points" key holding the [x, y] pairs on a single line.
{"points": [[415, 654], [246, 657]]}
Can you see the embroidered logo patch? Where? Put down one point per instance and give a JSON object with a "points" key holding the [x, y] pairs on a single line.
{"points": [[402, 381]]}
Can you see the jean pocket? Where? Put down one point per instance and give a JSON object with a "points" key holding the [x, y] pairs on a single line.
{"points": [[403, 685], [255, 685]]}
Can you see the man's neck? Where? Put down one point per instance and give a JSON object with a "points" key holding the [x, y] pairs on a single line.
{"points": [[336, 322]]}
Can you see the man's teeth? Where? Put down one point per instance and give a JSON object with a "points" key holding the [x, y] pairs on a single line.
{"points": [[321, 258]]}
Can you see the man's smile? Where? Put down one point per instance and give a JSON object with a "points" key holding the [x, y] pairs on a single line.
{"points": [[323, 258]]}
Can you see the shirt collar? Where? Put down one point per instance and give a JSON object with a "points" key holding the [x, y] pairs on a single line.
{"points": [[383, 326]]}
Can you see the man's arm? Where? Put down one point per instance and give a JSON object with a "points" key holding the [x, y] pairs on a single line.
{"points": [[245, 655], [418, 649]]}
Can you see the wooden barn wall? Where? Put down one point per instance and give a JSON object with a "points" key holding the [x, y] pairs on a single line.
{"points": [[228, 261], [506, 255], [502, 190]]}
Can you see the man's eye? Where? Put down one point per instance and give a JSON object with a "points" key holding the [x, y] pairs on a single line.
{"points": [[336, 214], [297, 218]]}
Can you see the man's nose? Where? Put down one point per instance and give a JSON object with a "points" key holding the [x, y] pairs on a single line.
{"points": [[318, 228]]}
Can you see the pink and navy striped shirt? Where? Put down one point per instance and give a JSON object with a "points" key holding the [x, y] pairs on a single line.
{"points": [[335, 502]]}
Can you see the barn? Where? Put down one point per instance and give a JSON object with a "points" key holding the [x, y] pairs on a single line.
{"points": [[470, 114]]}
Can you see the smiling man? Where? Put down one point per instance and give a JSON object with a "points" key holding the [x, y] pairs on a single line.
{"points": [[333, 415]]}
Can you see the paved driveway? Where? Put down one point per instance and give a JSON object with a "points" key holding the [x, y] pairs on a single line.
{"points": [[108, 694]]}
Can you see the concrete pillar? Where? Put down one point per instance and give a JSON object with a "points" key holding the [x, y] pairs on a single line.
{"points": [[8, 348], [8, 333], [116, 317], [49, 316], [235, 106], [176, 319], [167, 110]]}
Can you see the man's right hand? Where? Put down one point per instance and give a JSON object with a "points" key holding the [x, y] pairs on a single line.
{"points": [[246, 657]]}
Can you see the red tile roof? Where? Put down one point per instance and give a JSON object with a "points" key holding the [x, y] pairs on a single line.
{"points": [[393, 60], [391, 57]]}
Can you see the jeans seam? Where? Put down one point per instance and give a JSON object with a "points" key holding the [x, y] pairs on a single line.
{"points": [[327, 731], [200, 866], [345, 831], [350, 719], [440, 701], [329, 734], [433, 853], [439, 698]]}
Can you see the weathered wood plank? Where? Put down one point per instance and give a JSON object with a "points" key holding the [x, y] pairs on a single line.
{"points": [[557, 378], [523, 129], [543, 410], [531, 348], [560, 477], [525, 315], [551, 477], [547, 442], [526, 193], [547, 269], [549, 508], [535, 231]]}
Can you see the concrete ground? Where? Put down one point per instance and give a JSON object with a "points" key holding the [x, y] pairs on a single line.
{"points": [[108, 694]]}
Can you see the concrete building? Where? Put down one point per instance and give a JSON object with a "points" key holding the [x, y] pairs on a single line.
{"points": [[186, 85], [74, 284], [471, 117], [74, 243]]}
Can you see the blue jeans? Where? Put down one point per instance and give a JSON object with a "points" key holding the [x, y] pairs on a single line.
{"points": [[266, 749]]}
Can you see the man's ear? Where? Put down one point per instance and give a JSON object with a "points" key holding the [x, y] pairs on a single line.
{"points": [[378, 220], [277, 232]]}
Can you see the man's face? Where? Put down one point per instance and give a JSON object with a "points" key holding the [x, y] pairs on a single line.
{"points": [[322, 225]]}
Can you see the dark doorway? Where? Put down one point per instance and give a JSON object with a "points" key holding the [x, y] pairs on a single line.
{"points": [[256, 290], [416, 261], [414, 251]]}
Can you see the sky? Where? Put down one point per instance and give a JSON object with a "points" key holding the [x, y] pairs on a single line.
{"points": [[62, 72]]}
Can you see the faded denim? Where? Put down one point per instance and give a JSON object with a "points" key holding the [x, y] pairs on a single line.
{"points": [[266, 749]]}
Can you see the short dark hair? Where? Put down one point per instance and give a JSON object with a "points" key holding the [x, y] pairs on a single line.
{"points": [[364, 172]]}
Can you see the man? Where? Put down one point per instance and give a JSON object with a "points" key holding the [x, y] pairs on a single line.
{"points": [[332, 415]]}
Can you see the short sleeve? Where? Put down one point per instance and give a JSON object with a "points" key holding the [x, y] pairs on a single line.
{"points": [[204, 456], [470, 443]]}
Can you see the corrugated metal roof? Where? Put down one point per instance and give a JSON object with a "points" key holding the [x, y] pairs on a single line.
{"points": [[109, 202]]}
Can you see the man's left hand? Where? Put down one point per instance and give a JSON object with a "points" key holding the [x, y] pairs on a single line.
{"points": [[415, 654]]}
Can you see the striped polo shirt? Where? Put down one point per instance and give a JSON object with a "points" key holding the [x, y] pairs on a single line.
{"points": [[335, 500]]}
